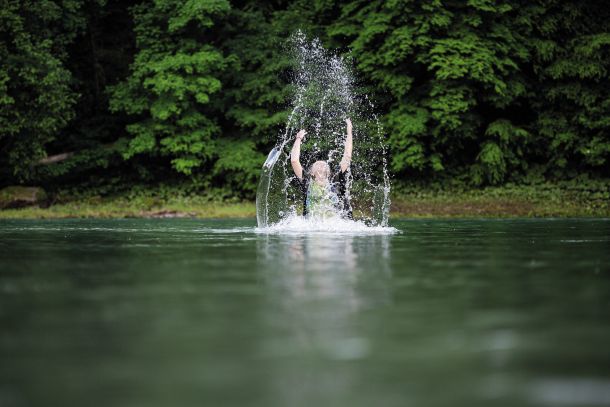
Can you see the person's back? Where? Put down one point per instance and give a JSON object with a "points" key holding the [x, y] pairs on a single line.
{"points": [[321, 200], [324, 190]]}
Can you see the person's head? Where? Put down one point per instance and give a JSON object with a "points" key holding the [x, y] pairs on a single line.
{"points": [[320, 171]]}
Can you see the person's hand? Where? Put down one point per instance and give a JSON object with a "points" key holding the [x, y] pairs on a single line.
{"points": [[300, 135], [348, 121]]}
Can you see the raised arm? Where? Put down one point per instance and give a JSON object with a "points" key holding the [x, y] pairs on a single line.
{"points": [[295, 154], [347, 152]]}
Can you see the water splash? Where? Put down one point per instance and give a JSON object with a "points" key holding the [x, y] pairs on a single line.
{"points": [[324, 95], [336, 226]]}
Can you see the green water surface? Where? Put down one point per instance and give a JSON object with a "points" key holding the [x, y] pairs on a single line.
{"points": [[210, 313]]}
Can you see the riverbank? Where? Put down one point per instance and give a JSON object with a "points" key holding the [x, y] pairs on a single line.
{"points": [[543, 200], [120, 207], [567, 199]]}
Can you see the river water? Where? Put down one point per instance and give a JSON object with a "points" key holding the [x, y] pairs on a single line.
{"points": [[213, 313]]}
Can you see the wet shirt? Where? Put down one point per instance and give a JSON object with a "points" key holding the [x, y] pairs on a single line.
{"points": [[326, 201], [321, 201]]}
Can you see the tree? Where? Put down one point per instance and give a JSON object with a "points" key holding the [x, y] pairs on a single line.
{"points": [[451, 71], [36, 98], [479, 91], [571, 59], [173, 80]]}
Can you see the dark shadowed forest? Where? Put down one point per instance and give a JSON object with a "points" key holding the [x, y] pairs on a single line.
{"points": [[107, 96]]}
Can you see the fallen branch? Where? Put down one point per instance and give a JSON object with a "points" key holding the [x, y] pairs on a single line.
{"points": [[55, 158]]}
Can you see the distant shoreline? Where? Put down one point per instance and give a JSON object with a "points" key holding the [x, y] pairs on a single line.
{"points": [[122, 209], [421, 203]]}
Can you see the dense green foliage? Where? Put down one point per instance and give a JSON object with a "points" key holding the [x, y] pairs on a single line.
{"points": [[173, 77], [194, 92], [36, 99]]}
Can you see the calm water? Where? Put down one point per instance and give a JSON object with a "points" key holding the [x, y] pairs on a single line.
{"points": [[210, 313]]}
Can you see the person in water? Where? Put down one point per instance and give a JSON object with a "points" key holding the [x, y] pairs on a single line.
{"points": [[324, 189]]}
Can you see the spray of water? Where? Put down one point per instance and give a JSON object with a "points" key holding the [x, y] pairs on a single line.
{"points": [[324, 95]]}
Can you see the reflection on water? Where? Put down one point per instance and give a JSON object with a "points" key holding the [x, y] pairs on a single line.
{"points": [[320, 286], [321, 283], [185, 312], [309, 267]]}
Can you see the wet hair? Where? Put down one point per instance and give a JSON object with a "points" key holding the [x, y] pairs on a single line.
{"points": [[317, 164]]}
